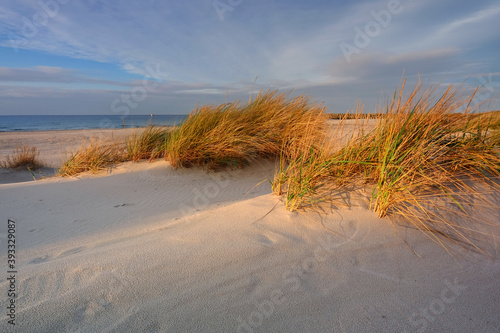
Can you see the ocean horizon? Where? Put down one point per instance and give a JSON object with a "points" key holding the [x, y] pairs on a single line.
{"points": [[76, 122]]}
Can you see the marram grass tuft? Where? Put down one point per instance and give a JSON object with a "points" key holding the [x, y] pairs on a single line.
{"points": [[420, 161], [230, 135], [93, 157]]}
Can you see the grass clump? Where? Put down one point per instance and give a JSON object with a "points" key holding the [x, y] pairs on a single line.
{"points": [[23, 156], [301, 178], [148, 144], [97, 155], [231, 135], [418, 147], [94, 157], [420, 161]]}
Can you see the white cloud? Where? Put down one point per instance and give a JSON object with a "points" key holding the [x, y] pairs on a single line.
{"points": [[478, 17]]}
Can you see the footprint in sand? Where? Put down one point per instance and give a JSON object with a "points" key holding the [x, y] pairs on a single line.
{"points": [[265, 241], [39, 260], [123, 205], [46, 257], [86, 314], [253, 284]]}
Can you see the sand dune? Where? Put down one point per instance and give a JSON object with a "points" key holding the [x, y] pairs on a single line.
{"points": [[146, 248]]}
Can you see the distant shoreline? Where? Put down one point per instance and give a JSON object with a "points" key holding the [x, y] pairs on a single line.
{"points": [[85, 122], [81, 129]]}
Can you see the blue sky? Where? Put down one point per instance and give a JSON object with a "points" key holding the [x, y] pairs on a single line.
{"points": [[164, 57]]}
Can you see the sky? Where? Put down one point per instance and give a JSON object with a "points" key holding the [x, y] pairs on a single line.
{"points": [[166, 57]]}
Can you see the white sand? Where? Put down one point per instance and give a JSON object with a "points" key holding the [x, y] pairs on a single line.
{"points": [[54, 148], [145, 248]]}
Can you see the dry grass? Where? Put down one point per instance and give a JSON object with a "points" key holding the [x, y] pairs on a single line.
{"points": [[230, 135], [93, 157], [23, 156], [220, 136], [420, 161], [147, 144], [425, 163]]}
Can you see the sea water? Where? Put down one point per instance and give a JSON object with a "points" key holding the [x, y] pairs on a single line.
{"points": [[54, 123]]}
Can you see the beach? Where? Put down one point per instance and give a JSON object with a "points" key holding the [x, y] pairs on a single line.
{"points": [[144, 247], [54, 146]]}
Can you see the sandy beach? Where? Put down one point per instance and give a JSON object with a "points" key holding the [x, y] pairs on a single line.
{"points": [[54, 146], [142, 247]]}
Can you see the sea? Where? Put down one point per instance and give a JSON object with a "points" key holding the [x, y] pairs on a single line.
{"points": [[74, 122]]}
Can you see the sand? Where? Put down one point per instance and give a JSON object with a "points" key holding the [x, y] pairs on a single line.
{"points": [[54, 148], [146, 248]]}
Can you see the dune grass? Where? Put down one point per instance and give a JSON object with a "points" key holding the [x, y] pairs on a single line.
{"points": [[418, 145], [93, 157], [420, 159], [230, 135], [227, 135], [24, 156], [149, 143], [419, 162]]}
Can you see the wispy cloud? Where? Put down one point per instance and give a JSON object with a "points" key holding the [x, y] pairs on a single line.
{"points": [[388, 66], [48, 75], [477, 17], [37, 74]]}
